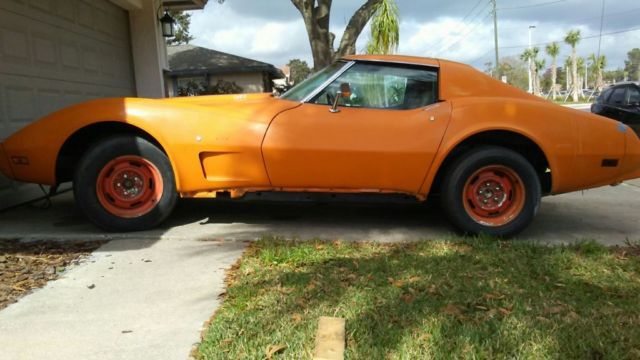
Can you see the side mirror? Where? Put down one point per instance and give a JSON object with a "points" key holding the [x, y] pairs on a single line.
{"points": [[344, 93]]}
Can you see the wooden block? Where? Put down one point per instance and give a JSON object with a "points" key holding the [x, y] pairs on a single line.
{"points": [[330, 339]]}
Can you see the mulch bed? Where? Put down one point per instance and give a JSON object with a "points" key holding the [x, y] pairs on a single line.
{"points": [[25, 266]]}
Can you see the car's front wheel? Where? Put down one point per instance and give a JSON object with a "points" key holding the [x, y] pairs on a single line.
{"points": [[491, 190], [125, 183]]}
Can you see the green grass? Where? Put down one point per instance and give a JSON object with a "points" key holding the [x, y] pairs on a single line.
{"points": [[454, 299]]}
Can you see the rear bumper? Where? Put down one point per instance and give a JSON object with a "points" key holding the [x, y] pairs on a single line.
{"points": [[5, 167]]}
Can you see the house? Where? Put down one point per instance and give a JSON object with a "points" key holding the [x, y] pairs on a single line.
{"points": [[194, 65], [55, 53]]}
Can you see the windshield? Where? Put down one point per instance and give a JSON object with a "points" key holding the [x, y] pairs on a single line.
{"points": [[302, 90]]}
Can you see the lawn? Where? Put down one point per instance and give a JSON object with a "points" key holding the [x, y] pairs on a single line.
{"points": [[458, 298]]}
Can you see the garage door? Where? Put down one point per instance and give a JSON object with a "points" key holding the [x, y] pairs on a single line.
{"points": [[55, 53]]}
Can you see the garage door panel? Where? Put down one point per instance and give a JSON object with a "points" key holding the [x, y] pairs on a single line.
{"points": [[22, 104], [97, 19], [57, 53]]}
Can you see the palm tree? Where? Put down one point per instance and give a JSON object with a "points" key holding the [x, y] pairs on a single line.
{"points": [[531, 56], [553, 50], [599, 63], [385, 29], [539, 65], [568, 65], [581, 74], [573, 38]]}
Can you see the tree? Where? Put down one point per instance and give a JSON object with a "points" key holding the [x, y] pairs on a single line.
{"points": [[385, 29], [531, 56], [317, 14], [299, 70], [553, 50], [183, 21], [598, 65], [515, 70], [632, 64], [539, 64], [573, 38], [581, 74], [568, 65]]}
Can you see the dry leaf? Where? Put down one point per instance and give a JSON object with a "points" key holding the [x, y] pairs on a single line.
{"points": [[407, 298], [297, 318], [415, 278], [311, 285], [572, 316], [225, 342], [504, 311], [493, 296], [560, 285], [481, 307], [451, 309], [274, 349], [554, 309]]}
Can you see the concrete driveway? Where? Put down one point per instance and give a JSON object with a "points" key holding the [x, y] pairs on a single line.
{"points": [[153, 290], [607, 214]]}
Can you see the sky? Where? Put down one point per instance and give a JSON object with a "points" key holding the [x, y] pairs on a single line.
{"points": [[273, 31]]}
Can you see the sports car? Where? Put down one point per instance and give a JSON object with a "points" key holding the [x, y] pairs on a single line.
{"points": [[366, 124]]}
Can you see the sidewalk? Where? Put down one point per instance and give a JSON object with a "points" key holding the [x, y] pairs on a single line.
{"points": [[134, 299]]}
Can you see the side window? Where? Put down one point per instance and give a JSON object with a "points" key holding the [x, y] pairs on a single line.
{"points": [[604, 98], [633, 95], [384, 87], [617, 98]]}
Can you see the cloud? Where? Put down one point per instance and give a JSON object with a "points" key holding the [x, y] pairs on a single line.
{"points": [[273, 30]]}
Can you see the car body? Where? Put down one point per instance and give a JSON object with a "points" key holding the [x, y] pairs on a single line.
{"points": [[620, 102], [403, 125]]}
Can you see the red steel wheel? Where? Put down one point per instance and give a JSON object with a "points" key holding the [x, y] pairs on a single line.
{"points": [[129, 186], [494, 195]]}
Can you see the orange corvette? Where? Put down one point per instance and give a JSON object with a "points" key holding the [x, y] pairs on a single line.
{"points": [[366, 124]]}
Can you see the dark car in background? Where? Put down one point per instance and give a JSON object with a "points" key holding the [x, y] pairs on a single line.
{"points": [[620, 102]]}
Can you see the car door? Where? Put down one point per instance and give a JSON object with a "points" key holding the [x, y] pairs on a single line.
{"points": [[384, 136], [632, 108], [615, 103]]}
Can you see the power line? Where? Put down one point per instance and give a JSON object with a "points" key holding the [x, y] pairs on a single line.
{"points": [[464, 36], [442, 41], [533, 5], [584, 37], [472, 9]]}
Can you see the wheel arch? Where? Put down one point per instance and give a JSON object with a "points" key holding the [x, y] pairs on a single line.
{"points": [[506, 138], [76, 145]]}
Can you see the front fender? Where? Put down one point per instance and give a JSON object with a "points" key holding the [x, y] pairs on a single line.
{"points": [[41, 141]]}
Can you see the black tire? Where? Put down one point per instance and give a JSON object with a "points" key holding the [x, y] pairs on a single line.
{"points": [[100, 155], [458, 207]]}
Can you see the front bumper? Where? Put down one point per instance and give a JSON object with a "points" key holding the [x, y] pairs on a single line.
{"points": [[5, 167]]}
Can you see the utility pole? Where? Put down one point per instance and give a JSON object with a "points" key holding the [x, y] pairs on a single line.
{"points": [[495, 36], [601, 25]]}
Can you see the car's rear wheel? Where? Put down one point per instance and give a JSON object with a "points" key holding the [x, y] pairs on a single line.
{"points": [[125, 183], [491, 190]]}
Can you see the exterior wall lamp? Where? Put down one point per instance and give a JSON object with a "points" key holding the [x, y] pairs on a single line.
{"points": [[167, 22]]}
